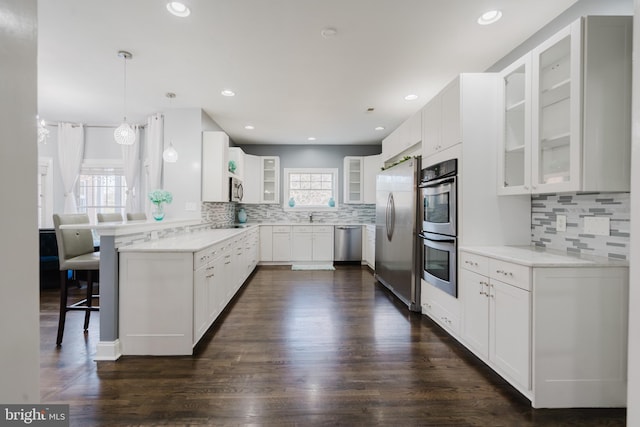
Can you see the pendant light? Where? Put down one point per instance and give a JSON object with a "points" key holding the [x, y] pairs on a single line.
{"points": [[43, 132], [124, 134], [170, 155]]}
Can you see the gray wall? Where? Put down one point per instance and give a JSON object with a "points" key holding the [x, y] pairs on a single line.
{"points": [[312, 156], [19, 287]]}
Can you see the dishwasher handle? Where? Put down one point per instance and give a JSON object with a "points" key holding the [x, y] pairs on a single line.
{"points": [[347, 227]]}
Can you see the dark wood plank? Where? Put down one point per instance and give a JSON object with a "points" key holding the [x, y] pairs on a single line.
{"points": [[295, 348]]}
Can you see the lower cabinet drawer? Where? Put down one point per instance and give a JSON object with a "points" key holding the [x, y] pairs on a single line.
{"points": [[442, 316], [513, 274]]}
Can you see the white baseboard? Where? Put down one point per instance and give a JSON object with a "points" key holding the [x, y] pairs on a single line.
{"points": [[108, 350]]}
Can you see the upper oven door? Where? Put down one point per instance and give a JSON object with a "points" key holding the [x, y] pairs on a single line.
{"points": [[438, 207]]}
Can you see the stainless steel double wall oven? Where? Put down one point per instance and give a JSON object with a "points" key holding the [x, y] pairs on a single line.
{"points": [[438, 214]]}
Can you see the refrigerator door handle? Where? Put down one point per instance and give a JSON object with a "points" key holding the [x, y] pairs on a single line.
{"points": [[391, 216]]}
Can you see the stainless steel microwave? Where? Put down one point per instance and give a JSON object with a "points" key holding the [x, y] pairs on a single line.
{"points": [[235, 190]]}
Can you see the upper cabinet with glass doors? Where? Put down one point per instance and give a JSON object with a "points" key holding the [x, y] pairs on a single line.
{"points": [[576, 136], [515, 153], [270, 179]]}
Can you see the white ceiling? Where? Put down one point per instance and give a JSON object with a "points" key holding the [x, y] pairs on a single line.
{"points": [[290, 82]]}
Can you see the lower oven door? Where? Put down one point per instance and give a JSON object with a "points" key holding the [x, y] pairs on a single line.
{"points": [[439, 264], [438, 207]]}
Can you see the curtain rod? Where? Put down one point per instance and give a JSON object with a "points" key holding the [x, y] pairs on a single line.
{"points": [[75, 125]]}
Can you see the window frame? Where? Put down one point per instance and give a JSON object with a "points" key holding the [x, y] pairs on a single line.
{"points": [[102, 167], [334, 189]]}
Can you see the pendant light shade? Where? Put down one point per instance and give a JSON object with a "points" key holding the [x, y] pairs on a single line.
{"points": [[124, 134], [170, 155]]}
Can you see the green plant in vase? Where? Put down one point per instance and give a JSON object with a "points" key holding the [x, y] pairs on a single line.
{"points": [[158, 197]]}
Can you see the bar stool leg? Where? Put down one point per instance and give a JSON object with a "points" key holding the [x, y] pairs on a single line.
{"points": [[63, 305], [87, 313]]}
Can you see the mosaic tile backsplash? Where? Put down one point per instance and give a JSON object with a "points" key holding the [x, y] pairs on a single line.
{"points": [[359, 214], [615, 206]]}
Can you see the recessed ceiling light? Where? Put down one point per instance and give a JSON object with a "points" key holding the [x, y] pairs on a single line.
{"points": [[178, 9], [379, 128], [249, 127], [228, 92], [328, 32], [489, 17], [311, 138], [411, 97]]}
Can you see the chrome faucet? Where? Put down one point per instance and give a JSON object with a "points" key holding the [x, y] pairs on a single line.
{"points": [[311, 217]]}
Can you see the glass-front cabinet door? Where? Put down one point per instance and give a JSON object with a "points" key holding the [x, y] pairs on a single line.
{"points": [[556, 146], [353, 174], [270, 179], [515, 147]]}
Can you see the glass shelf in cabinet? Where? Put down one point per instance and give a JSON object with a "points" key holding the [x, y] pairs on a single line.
{"points": [[514, 149], [516, 106], [556, 140], [557, 86]]}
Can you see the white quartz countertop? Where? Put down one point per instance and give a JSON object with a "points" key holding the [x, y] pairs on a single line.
{"points": [[131, 227], [533, 256], [188, 242], [310, 223]]}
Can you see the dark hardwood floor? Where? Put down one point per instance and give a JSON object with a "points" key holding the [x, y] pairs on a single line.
{"points": [[294, 348]]}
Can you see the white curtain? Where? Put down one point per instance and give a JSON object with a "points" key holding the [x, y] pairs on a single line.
{"points": [[153, 159], [131, 159], [70, 155]]}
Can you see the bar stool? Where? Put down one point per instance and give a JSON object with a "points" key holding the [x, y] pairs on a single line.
{"points": [[75, 252], [109, 217], [136, 216]]}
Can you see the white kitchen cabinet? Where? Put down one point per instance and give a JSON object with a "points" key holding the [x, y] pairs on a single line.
{"points": [[237, 156], [552, 325], [215, 165], [281, 238], [496, 323], [514, 174], [353, 169], [441, 307], [360, 178], [301, 243], [369, 245], [270, 179], [403, 139], [372, 165], [441, 120], [266, 243], [252, 179], [169, 298], [311, 243], [322, 244], [576, 135]]}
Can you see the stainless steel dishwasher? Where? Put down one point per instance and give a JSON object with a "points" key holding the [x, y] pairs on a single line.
{"points": [[347, 243]]}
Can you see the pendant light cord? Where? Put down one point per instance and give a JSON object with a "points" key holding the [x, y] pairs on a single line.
{"points": [[124, 89]]}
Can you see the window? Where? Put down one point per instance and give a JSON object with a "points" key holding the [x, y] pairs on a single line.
{"points": [[45, 192], [101, 188], [310, 188]]}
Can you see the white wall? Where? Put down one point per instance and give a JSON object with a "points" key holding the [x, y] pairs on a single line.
{"points": [[183, 127], [633, 396], [19, 287]]}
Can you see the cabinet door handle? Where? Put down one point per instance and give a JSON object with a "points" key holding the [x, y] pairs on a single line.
{"points": [[482, 288]]}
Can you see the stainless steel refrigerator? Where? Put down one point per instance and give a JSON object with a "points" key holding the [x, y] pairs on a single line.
{"points": [[397, 250]]}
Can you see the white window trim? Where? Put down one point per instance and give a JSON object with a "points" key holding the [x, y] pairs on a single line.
{"points": [[88, 165], [285, 201]]}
